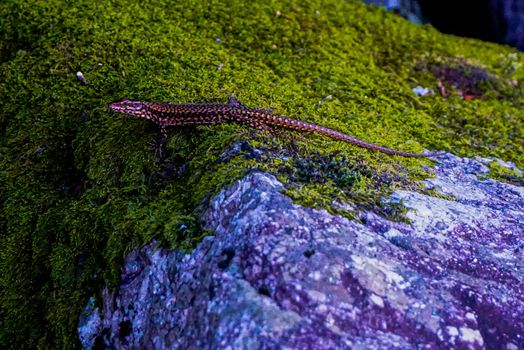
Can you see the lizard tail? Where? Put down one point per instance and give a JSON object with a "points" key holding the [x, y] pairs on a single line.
{"points": [[307, 127]]}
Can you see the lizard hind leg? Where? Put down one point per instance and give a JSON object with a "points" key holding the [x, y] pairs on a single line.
{"points": [[260, 126], [234, 102], [264, 128], [269, 133]]}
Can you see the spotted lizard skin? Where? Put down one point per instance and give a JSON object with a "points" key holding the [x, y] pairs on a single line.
{"points": [[168, 114]]}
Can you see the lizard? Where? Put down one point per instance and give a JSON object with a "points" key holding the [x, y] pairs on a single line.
{"points": [[169, 114]]}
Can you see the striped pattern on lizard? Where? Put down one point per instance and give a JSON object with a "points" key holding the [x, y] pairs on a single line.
{"points": [[169, 114]]}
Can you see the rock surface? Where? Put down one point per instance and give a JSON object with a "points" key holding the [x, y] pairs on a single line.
{"points": [[501, 21], [278, 275]]}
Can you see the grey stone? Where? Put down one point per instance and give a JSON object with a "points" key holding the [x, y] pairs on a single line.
{"points": [[280, 276]]}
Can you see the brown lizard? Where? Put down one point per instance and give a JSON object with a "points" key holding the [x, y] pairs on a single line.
{"points": [[168, 114]]}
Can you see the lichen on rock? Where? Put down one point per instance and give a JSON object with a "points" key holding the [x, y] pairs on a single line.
{"points": [[277, 274]]}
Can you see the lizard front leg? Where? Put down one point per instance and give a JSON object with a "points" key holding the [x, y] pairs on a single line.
{"points": [[158, 145]]}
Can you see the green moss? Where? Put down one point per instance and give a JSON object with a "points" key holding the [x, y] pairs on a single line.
{"points": [[80, 187], [507, 174]]}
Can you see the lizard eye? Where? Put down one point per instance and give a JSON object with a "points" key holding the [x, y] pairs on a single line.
{"points": [[133, 106]]}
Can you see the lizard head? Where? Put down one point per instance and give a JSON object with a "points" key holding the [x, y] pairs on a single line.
{"points": [[134, 108]]}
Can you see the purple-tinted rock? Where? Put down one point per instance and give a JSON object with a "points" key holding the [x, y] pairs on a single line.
{"points": [[500, 21], [281, 276], [510, 21], [90, 324], [409, 9]]}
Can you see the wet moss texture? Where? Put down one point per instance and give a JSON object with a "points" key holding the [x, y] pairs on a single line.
{"points": [[81, 188]]}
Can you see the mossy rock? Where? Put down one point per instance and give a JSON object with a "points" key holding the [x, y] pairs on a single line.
{"points": [[80, 186]]}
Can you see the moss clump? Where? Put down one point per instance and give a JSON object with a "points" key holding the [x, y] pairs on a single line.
{"points": [[459, 77], [506, 173], [80, 187]]}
